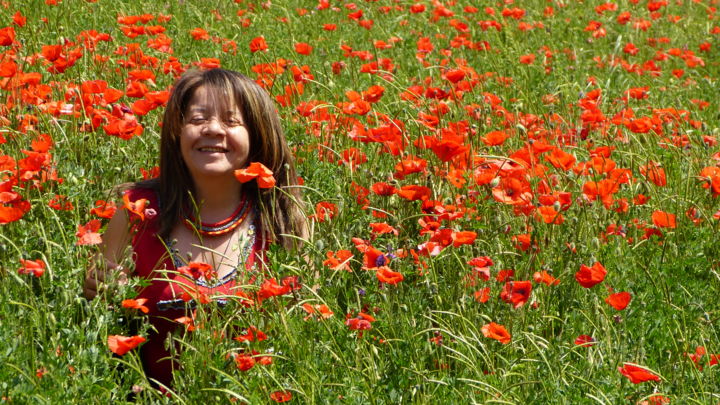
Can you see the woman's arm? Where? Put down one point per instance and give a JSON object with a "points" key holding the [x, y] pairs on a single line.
{"points": [[104, 268]]}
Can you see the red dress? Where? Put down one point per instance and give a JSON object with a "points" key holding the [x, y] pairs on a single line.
{"points": [[164, 294]]}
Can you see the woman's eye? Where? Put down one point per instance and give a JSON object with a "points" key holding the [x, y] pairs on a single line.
{"points": [[233, 122], [197, 120]]}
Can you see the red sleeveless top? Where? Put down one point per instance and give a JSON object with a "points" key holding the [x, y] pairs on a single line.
{"points": [[167, 295]]}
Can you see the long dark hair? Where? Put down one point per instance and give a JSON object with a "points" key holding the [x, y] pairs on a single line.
{"points": [[281, 208]]}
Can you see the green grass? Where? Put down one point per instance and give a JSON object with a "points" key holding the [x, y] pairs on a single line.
{"points": [[55, 348]]}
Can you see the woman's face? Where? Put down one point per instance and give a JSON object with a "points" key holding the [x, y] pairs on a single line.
{"points": [[213, 143]]}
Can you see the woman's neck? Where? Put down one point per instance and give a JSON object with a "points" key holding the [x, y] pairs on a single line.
{"points": [[217, 199]]}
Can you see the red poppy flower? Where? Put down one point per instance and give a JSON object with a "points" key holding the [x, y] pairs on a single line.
{"points": [[197, 270], [381, 228], [281, 396], [463, 238], [338, 260], [123, 344], [385, 275], [271, 288], [244, 362], [482, 295], [527, 59], [619, 300], [663, 219], [497, 332], [7, 36], [136, 304], [545, 278], [361, 322], [383, 189], [590, 276], [549, 215], [324, 211], [303, 48], [258, 44], [88, 234], [321, 309], [654, 173], [34, 267], [251, 334], [199, 34], [257, 171], [637, 374], [414, 192], [584, 341], [188, 321], [516, 293], [104, 209]]}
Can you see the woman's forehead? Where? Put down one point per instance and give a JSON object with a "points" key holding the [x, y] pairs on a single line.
{"points": [[211, 99]]}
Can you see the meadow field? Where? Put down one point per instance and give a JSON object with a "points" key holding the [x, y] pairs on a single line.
{"points": [[511, 202]]}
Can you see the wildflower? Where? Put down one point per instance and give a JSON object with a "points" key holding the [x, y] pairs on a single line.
{"points": [[637, 374], [281, 396], [256, 171], [34, 267], [88, 234], [136, 304], [584, 341], [497, 332], [122, 344], [385, 275], [516, 293], [619, 300], [590, 276]]}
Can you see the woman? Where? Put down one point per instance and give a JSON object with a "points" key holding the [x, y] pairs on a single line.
{"points": [[196, 227]]}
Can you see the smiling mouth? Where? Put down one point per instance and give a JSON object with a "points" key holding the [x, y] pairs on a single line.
{"points": [[212, 149]]}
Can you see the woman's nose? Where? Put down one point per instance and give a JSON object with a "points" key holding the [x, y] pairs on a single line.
{"points": [[214, 126]]}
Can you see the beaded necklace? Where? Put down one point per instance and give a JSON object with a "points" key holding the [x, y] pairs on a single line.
{"points": [[224, 226]]}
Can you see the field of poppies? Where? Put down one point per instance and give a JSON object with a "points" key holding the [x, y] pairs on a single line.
{"points": [[510, 201]]}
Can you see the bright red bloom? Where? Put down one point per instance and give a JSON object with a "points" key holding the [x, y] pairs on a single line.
{"points": [[271, 288], [361, 322], [482, 295], [545, 278], [88, 234], [136, 304], [303, 48], [663, 219], [414, 192], [463, 238], [123, 344], [497, 332], [34, 267], [318, 309], [590, 276], [197, 270], [637, 374], [385, 275], [258, 171], [338, 260], [324, 211], [281, 396], [244, 362], [585, 341], [104, 209], [619, 300], [516, 293], [251, 334], [136, 209], [258, 44]]}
